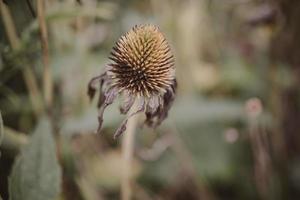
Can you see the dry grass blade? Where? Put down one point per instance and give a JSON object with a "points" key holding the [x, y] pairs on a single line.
{"points": [[48, 84]]}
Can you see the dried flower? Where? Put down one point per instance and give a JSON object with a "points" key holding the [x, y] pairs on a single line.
{"points": [[142, 69]]}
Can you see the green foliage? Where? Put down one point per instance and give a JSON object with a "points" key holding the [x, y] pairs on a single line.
{"points": [[36, 173]]}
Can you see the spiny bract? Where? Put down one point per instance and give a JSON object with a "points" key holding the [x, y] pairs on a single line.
{"points": [[142, 70]]}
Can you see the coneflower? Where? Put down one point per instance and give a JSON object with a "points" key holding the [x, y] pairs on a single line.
{"points": [[142, 69]]}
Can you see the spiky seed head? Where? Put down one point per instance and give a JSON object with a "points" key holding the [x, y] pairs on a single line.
{"points": [[143, 70], [142, 62]]}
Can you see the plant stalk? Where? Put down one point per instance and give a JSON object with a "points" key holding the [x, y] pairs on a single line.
{"points": [[47, 74], [127, 154]]}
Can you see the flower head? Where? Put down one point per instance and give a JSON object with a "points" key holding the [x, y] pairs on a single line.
{"points": [[142, 68]]}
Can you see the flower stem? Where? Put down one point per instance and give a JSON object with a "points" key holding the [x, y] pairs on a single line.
{"points": [[48, 84], [127, 154]]}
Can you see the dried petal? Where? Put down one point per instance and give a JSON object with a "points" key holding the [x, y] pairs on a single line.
{"points": [[152, 109], [123, 126], [101, 99], [153, 104], [100, 122], [168, 100], [125, 107], [92, 85], [121, 129], [109, 96], [163, 107]]}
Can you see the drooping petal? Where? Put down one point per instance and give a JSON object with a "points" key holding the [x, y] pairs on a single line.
{"points": [[109, 97], [123, 126], [125, 107], [154, 116], [92, 85], [153, 104], [168, 100], [152, 109]]}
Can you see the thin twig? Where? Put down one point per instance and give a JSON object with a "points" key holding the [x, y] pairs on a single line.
{"points": [[28, 74], [127, 152], [48, 84]]}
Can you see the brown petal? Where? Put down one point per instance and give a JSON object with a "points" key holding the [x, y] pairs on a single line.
{"points": [[121, 129], [92, 85], [123, 126], [163, 106], [168, 100], [109, 96], [152, 109], [125, 107], [153, 104]]}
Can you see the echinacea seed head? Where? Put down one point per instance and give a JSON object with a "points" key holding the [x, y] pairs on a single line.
{"points": [[142, 62], [142, 68]]}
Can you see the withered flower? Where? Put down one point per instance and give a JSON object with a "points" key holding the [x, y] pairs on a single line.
{"points": [[142, 70]]}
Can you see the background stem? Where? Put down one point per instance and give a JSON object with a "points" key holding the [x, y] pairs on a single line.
{"points": [[48, 85]]}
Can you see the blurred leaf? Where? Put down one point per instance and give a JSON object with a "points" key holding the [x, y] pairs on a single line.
{"points": [[237, 76], [200, 124], [86, 122], [192, 110], [186, 110], [36, 173]]}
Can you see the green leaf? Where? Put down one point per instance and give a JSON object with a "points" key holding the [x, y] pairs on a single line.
{"points": [[36, 173]]}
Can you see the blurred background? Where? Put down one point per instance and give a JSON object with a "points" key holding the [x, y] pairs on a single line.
{"points": [[232, 133]]}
